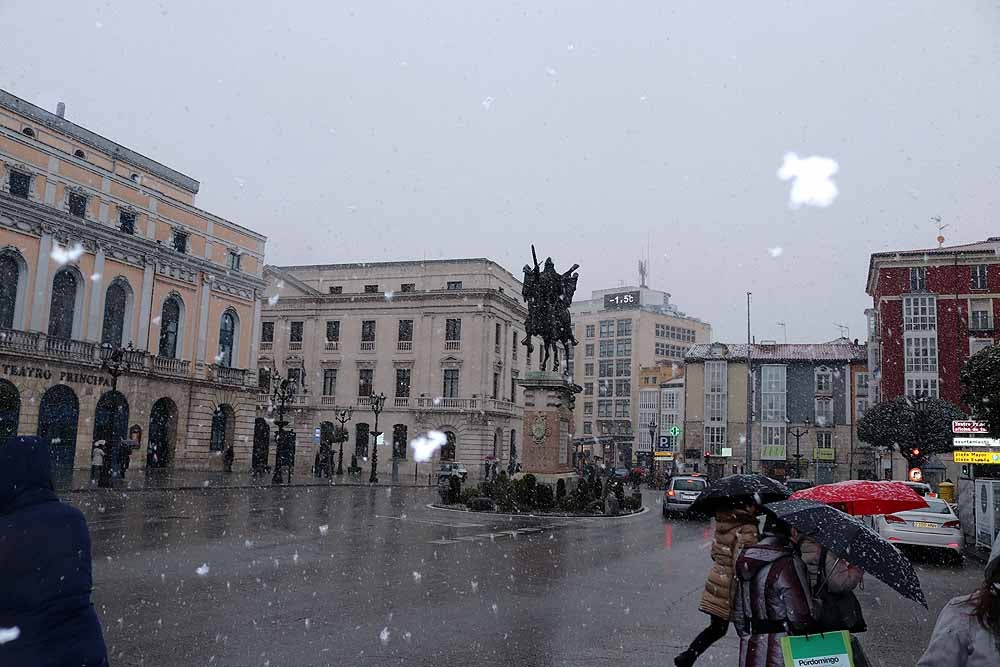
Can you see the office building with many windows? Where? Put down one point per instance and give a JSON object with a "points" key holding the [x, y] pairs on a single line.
{"points": [[810, 390], [104, 248], [620, 331], [440, 338]]}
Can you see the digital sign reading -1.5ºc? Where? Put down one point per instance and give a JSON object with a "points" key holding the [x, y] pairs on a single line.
{"points": [[621, 300]]}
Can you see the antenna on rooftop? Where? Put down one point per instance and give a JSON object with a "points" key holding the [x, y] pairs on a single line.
{"points": [[643, 270], [940, 228], [845, 331]]}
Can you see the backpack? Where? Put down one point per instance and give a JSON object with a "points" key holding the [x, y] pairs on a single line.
{"points": [[835, 611]]}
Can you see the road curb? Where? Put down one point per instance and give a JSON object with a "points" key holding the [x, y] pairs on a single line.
{"points": [[641, 511], [202, 487]]}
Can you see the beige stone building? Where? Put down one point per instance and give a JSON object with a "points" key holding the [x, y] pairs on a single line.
{"points": [[804, 390], [101, 248], [440, 338], [621, 330]]}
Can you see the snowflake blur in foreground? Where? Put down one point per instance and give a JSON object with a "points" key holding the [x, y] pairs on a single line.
{"points": [[273, 299], [66, 255], [487, 103], [202, 570], [424, 446], [384, 636], [389, 294], [324, 529], [811, 184], [775, 251], [417, 577], [9, 634]]}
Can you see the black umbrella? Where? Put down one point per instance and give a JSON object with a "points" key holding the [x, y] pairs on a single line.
{"points": [[725, 491], [847, 537]]}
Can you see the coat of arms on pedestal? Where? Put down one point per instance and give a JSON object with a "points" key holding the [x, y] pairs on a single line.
{"points": [[539, 429]]}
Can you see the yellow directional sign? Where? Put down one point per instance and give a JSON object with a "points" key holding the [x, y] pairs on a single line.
{"points": [[978, 457]]}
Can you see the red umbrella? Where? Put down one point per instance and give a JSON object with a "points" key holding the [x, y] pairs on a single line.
{"points": [[863, 497]]}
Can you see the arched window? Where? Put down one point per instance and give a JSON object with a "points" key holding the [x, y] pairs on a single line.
{"points": [[170, 322], [28, 132], [223, 423], [65, 287], [10, 274], [115, 308], [227, 339], [448, 451], [78, 153]]}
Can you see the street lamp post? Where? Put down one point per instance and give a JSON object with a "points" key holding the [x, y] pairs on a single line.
{"points": [[115, 361], [652, 449], [343, 417], [797, 434], [283, 392], [377, 403]]}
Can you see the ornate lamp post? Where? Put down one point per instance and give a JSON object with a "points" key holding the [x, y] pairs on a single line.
{"points": [[283, 391], [797, 434], [652, 449], [377, 403], [343, 417], [115, 361]]}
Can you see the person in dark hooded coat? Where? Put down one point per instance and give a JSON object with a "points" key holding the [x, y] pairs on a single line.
{"points": [[45, 569], [772, 597]]}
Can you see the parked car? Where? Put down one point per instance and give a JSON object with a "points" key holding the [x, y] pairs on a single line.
{"points": [[799, 484], [451, 470], [620, 473], [922, 488], [681, 492], [936, 527]]}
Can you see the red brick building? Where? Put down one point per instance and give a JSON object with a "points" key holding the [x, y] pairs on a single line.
{"points": [[931, 310]]}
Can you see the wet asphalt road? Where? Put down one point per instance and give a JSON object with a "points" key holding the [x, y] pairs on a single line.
{"points": [[371, 576]]}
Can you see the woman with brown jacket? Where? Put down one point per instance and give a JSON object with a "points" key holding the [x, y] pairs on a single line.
{"points": [[735, 529]]}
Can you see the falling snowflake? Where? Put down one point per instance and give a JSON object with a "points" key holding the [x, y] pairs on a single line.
{"points": [[475, 585], [389, 294], [324, 529], [202, 570], [407, 635], [95, 276], [156, 320], [551, 71], [437, 401], [494, 607], [65, 255], [487, 103], [775, 251], [273, 299], [811, 183], [9, 634], [425, 445], [295, 557], [417, 577], [570, 47], [247, 543], [384, 636]]}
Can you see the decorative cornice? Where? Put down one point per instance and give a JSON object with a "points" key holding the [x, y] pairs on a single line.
{"points": [[238, 291]]}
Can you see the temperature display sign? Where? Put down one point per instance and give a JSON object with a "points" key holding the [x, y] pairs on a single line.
{"points": [[621, 300]]}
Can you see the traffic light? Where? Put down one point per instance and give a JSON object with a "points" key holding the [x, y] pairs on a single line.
{"points": [[915, 452]]}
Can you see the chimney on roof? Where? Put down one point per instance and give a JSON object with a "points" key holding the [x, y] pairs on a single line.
{"points": [[61, 109]]}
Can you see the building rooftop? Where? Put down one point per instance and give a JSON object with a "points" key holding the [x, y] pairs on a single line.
{"points": [[834, 351], [94, 140], [988, 248]]}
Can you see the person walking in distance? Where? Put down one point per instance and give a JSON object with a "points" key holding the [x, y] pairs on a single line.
{"points": [[735, 529], [96, 461], [772, 597], [967, 632], [45, 560]]}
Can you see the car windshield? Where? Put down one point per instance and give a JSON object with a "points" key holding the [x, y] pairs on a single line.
{"points": [[689, 484]]}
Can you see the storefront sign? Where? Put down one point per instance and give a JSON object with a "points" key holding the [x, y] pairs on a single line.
{"points": [[774, 453], [969, 426], [664, 456], [830, 649], [14, 370], [987, 458], [824, 454], [976, 442]]}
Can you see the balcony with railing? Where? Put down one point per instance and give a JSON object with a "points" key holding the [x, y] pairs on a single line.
{"points": [[266, 399], [332, 346], [367, 346], [266, 345], [364, 401], [233, 376], [67, 348], [401, 402], [404, 346], [13, 340], [453, 345], [328, 400], [168, 366], [294, 345]]}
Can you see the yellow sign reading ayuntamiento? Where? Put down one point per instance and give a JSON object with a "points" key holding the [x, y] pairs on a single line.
{"points": [[977, 457]]}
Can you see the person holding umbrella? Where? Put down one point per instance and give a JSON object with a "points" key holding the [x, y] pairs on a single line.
{"points": [[772, 596], [967, 632], [733, 502]]}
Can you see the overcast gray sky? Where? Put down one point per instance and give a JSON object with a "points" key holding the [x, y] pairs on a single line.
{"points": [[401, 130]]}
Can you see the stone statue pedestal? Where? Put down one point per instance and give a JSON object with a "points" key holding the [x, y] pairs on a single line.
{"points": [[546, 451]]}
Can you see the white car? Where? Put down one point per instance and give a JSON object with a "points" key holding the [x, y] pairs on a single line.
{"points": [[935, 526]]}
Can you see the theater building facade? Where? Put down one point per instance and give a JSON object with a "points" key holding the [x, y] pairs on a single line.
{"points": [[102, 250]]}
